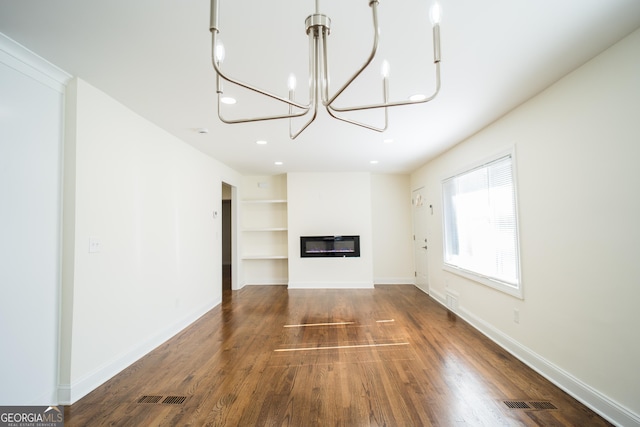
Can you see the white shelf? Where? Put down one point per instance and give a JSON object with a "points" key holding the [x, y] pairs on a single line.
{"points": [[264, 201], [264, 257]]}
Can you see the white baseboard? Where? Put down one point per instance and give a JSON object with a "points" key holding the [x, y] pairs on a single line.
{"points": [[394, 280], [266, 282], [330, 285], [607, 408], [68, 394]]}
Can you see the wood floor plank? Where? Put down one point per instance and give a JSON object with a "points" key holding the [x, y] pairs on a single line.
{"points": [[269, 356]]}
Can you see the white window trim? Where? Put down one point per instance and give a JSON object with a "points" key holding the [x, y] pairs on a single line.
{"points": [[516, 291]]}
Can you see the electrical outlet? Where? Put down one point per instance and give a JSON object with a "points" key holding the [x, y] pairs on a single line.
{"points": [[94, 245], [516, 315]]}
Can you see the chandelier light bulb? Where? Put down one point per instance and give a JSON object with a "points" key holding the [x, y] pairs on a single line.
{"points": [[435, 14], [291, 82], [219, 52], [385, 68]]}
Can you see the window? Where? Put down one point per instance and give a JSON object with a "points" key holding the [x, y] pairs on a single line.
{"points": [[480, 225]]}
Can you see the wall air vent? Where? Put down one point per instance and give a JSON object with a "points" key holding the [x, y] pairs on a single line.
{"points": [[452, 300]]}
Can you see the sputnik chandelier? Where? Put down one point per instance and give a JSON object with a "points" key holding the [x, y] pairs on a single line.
{"points": [[318, 27]]}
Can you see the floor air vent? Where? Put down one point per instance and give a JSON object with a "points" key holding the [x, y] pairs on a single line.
{"points": [[529, 404], [517, 405], [174, 400], [149, 399], [542, 405], [168, 400]]}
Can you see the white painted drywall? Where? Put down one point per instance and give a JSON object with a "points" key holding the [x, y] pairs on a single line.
{"points": [[149, 199], [330, 204], [578, 147], [31, 111], [392, 229]]}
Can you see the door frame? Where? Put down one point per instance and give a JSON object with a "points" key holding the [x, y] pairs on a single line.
{"points": [[417, 246]]}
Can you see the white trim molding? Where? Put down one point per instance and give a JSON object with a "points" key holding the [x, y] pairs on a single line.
{"points": [[21, 59], [330, 285], [410, 280]]}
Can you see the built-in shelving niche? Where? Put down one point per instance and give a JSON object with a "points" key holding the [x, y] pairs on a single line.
{"points": [[264, 231]]}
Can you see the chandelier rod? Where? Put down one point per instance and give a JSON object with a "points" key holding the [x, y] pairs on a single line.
{"points": [[313, 88]]}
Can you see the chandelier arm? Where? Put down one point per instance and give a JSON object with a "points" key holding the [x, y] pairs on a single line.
{"points": [[306, 125], [246, 85], [436, 62], [313, 88], [364, 125], [395, 103], [256, 119], [376, 37], [385, 97]]}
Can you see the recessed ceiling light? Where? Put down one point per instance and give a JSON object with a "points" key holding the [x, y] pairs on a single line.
{"points": [[374, 162], [228, 100], [418, 97], [261, 142], [278, 163]]}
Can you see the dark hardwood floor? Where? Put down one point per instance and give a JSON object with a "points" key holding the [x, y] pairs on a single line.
{"points": [[269, 356]]}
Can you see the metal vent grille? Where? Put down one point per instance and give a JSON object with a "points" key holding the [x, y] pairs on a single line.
{"points": [[542, 405], [174, 400], [530, 404], [168, 400], [513, 404], [452, 301], [149, 399]]}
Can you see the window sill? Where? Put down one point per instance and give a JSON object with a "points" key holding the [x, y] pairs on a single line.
{"points": [[492, 283]]}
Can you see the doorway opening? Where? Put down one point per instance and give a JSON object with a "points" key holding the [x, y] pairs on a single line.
{"points": [[227, 252]]}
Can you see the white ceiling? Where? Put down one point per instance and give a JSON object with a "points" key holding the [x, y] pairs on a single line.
{"points": [[154, 57]]}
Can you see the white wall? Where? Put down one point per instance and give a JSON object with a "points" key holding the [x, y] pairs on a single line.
{"points": [[578, 146], [149, 199], [330, 204], [392, 229], [31, 111]]}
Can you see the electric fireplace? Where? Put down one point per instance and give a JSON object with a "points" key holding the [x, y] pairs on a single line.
{"points": [[329, 246]]}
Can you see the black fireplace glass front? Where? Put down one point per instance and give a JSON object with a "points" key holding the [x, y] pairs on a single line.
{"points": [[329, 246]]}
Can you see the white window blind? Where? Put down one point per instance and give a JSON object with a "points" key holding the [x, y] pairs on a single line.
{"points": [[480, 223]]}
